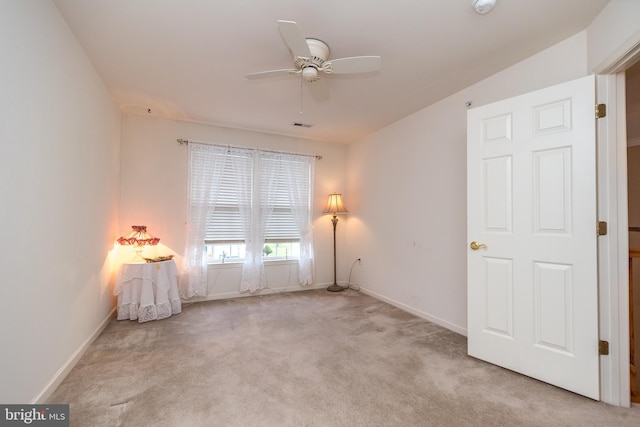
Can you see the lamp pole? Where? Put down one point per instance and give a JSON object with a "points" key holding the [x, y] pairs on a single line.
{"points": [[335, 287]]}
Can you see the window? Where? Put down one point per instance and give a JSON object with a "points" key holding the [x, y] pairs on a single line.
{"points": [[234, 252], [255, 181], [247, 206]]}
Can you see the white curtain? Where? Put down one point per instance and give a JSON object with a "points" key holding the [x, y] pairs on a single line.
{"points": [[257, 199], [260, 182], [206, 164], [300, 178]]}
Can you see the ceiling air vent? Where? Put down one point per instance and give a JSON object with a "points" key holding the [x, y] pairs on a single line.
{"points": [[302, 125]]}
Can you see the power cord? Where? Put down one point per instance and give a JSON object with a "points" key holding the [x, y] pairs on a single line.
{"points": [[349, 286]]}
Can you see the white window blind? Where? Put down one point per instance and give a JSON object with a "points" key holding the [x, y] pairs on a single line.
{"points": [[282, 174], [224, 223], [286, 175]]}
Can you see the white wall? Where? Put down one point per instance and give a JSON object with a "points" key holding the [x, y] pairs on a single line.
{"points": [[155, 183], [614, 31], [59, 186], [407, 186]]}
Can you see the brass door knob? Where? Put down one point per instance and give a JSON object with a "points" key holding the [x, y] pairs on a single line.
{"points": [[475, 245]]}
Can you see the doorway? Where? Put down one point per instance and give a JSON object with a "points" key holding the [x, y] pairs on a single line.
{"points": [[632, 96]]}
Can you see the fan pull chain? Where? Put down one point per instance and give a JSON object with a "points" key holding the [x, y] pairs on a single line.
{"points": [[300, 93]]}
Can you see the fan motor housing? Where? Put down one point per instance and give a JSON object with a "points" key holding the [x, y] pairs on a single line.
{"points": [[319, 54]]}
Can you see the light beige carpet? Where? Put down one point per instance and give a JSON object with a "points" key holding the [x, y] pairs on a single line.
{"points": [[310, 358]]}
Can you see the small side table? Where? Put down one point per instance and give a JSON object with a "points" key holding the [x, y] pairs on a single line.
{"points": [[147, 291]]}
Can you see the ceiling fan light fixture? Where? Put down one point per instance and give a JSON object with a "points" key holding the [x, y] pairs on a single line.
{"points": [[310, 74], [483, 6]]}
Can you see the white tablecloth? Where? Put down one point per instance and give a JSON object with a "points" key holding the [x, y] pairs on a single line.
{"points": [[147, 291]]}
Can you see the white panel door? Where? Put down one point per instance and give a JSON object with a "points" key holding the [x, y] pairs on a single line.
{"points": [[531, 201]]}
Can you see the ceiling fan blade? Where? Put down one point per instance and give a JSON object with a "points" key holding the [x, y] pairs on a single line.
{"points": [[294, 38], [356, 64], [272, 73]]}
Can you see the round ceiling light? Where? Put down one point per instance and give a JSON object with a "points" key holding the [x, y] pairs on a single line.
{"points": [[310, 73], [483, 6]]}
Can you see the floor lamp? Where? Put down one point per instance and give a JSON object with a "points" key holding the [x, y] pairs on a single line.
{"points": [[335, 207]]}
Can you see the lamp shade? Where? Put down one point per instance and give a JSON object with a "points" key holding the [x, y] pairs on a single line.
{"points": [[138, 236], [335, 205]]}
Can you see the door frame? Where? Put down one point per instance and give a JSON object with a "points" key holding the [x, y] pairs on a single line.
{"points": [[613, 249], [612, 202]]}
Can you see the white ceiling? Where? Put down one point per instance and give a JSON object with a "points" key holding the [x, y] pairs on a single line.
{"points": [[186, 59]]}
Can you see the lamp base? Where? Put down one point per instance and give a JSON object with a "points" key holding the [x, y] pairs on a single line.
{"points": [[138, 254], [335, 288]]}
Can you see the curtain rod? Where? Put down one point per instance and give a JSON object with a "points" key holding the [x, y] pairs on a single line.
{"points": [[186, 142]]}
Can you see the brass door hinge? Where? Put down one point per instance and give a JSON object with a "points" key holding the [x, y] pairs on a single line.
{"points": [[601, 228], [601, 111], [603, 348]]}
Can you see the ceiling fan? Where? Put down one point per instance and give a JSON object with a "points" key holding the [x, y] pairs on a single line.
{"points": [[311, 57]]}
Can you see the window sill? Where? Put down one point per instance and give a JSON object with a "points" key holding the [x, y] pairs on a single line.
{"points": [[238, 264]]}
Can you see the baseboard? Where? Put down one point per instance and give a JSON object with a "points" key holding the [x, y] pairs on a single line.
{"points": [[73, 360], [419, 313]]}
